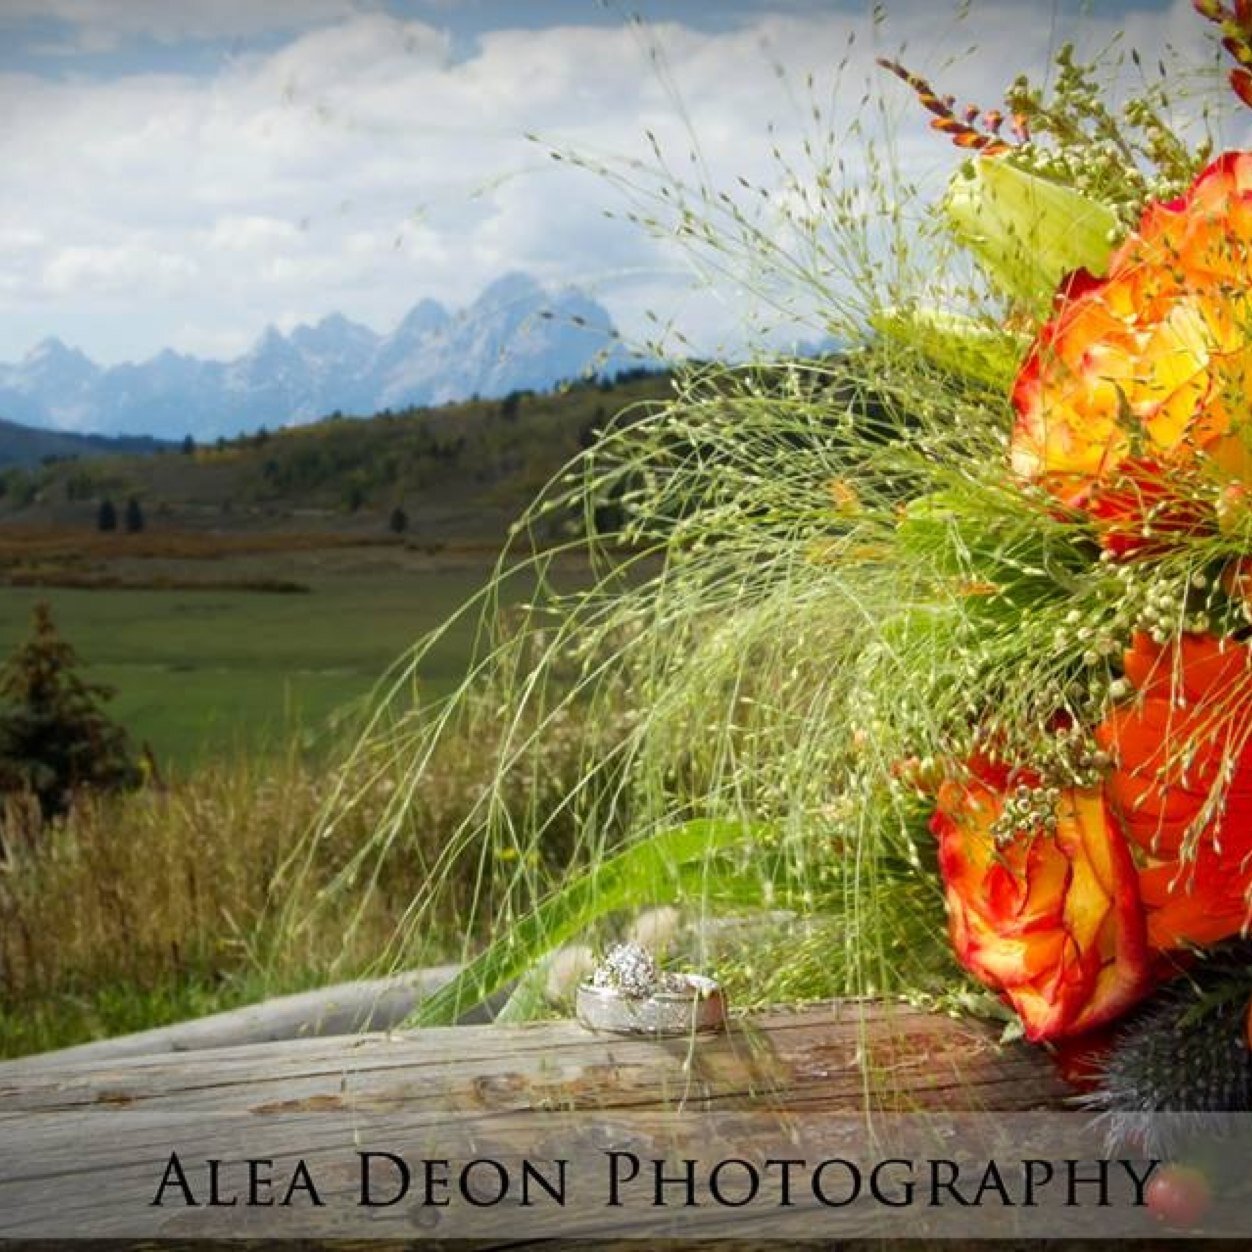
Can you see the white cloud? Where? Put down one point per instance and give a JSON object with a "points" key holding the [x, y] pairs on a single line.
{"points": [[252, 233], [361, 166], [18, 239], [123, 270]]}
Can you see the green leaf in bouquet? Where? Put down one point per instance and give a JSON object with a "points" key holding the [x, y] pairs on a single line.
{"points": [[1027, 232], [959, 345], [1015, 552]]}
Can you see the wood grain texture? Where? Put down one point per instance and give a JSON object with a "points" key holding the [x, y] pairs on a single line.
{"points": [[84, 1143]]}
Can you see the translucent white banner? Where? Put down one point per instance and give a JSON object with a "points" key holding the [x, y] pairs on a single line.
{"points": [[423, 1173]]}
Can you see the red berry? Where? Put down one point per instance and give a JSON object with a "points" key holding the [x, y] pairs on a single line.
{"points": [[1178, 1195]]}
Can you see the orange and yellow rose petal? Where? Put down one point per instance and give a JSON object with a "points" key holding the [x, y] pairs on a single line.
{"points": [[1152, 360], [1052, 921]]}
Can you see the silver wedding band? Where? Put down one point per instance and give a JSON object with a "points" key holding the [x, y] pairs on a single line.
{"points": [[688, 1003]]}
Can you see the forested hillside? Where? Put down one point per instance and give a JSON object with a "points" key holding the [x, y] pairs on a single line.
{"points": [[459, 470]]}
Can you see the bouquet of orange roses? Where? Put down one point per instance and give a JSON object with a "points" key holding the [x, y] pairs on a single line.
{"points": [[1111, 898]]}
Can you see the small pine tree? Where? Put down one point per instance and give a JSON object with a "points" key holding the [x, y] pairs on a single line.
{"points": [[398, 522], [134, 517], [54, 735], [189, 445], [106, 516]]}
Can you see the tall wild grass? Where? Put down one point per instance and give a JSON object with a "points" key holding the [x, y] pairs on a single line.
{"points": [[167, 903]]}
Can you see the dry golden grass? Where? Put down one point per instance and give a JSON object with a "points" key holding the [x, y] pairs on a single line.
{"points": [[158, 905], [170, 901], [157, 884]]}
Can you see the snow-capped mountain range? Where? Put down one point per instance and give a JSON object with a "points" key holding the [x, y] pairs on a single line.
{"points": [[514, 336]]}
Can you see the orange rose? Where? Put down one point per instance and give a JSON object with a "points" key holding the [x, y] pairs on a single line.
{"points": [[1182, 784], [1051, 920], [1152, 363]]}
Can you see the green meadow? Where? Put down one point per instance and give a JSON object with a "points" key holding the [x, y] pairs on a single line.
{"points": [[210, 672], [164, 897]]}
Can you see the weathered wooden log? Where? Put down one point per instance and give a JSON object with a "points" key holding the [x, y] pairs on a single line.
{"points": [[830, 1057], [124, 1147], [344, 1009]]}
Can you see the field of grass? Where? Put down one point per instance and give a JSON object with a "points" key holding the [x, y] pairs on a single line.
{"points": [[164, 899], [202, 673], [264, 599], [167, 902]]}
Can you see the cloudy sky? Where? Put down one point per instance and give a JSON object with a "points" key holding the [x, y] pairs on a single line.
{"points": [[184, 172]]}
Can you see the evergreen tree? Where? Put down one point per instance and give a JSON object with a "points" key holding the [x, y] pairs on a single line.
{"points": [[106, 516], [134, 516], [54, 735]]}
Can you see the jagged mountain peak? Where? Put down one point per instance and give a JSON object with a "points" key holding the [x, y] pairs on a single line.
{"points": [[512, 288], [55, 352], [424, 318], [271, 339], [50, 345], [334, 333]]}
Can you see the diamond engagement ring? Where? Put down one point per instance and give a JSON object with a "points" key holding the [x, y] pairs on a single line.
{"points": [[629, 995]]}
